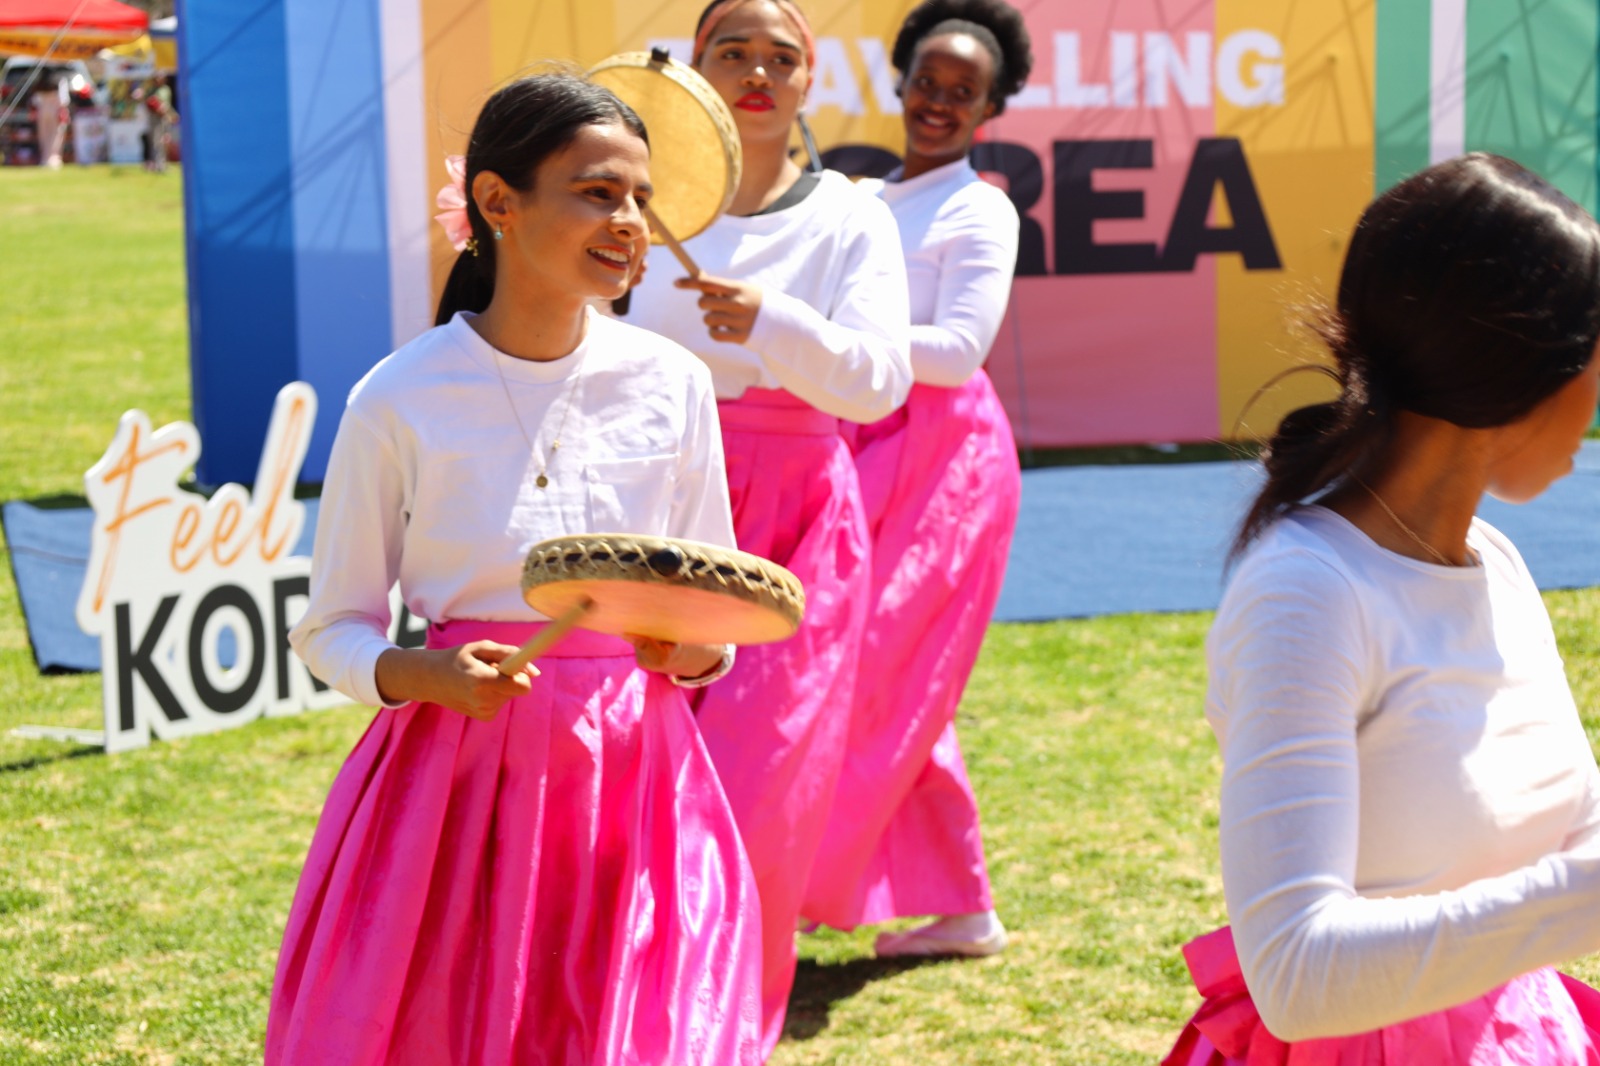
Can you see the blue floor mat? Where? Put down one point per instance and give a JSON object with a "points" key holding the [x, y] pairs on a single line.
{"points": [[1090, 540], [49, 549], [1111, 539], [1097, 540]]}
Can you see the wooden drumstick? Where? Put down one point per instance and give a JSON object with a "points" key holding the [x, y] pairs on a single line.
{"points": [[546, 638], [657, 226], [621, 304]]}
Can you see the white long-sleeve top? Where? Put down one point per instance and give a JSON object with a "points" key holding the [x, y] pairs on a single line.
{"points": [[960, 236], [1410, 807], [431, 479], [834, 316]]}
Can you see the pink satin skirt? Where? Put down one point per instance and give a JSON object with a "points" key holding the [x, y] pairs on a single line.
{"points": [[942, 488], [563, 884], [1539, 1019], [776, 725]]}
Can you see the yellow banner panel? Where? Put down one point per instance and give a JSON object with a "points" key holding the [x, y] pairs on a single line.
{"points": [[1312, 160]]}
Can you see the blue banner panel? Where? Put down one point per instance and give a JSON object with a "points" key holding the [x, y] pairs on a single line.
{"points": [[239, 215], [340, 204]]}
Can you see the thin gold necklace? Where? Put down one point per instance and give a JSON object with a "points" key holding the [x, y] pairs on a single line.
{"points": [[1444, 560], [555, 445]]}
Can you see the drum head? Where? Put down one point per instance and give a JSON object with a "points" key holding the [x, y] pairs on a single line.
{"points": [[677, 590], [695, 157]]}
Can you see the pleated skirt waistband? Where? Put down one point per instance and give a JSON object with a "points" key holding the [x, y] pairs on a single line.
{"points": [[775, 411]]}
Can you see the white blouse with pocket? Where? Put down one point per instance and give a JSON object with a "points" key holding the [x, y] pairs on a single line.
{"points": [[432, 479]]}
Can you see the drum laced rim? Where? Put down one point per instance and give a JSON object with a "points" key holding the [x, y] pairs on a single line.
{"points": [[665, 561], [715, 108]]}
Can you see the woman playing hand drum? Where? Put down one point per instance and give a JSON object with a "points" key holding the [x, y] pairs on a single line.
{"points": [[801, 315], [1410, 816], [523, 869]]}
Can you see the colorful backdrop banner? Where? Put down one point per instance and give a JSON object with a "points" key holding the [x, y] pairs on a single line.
{"points": [[1187, 176]]}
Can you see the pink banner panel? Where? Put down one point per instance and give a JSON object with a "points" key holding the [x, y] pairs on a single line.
{"points": [[1111, 337]]}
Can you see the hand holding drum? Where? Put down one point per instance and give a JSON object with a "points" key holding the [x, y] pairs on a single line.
{"points": [[666, 588]]}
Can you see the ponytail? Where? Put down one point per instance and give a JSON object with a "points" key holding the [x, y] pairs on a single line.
{"points": [[1470, 292], [1316, 447], [470, 286]]}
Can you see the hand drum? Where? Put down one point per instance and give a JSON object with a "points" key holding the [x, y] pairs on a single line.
{"points": [[676, 590], [695, 158]]}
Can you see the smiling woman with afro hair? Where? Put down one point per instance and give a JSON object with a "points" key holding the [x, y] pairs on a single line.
{"points": [[942, 486], [801, 315], [994, 24]]}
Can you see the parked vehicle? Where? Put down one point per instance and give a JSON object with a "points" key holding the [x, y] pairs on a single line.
{"points": [[21, 127], [25, 75]]}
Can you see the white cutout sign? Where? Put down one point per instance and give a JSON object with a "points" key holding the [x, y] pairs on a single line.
{"points": [[193, 598]]}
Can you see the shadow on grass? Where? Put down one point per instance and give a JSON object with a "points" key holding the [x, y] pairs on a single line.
{"points": [[35, 761], [818, 987], [1140, 454], [59, 501]]}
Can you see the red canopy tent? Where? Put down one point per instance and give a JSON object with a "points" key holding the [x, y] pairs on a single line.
{"points": [[67, 29]]}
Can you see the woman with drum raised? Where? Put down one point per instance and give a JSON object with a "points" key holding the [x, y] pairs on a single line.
{"points": [[801, 314], [942, 487], [524, 869], [1410, 810]]}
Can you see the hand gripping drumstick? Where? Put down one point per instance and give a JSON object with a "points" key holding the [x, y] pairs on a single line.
{"points": [[546, 638]]}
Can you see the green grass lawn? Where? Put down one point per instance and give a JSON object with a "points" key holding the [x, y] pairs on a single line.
{"points": [[142, 896]]}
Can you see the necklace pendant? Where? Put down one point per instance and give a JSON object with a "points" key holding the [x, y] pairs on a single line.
{"points": [[541, 481]]}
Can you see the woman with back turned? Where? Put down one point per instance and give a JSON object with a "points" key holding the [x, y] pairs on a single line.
{"points": [[1410, 817]]}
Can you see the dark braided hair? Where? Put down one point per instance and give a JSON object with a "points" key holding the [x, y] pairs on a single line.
{"points": [[994, 24], [1470, 293], [521, 126]]}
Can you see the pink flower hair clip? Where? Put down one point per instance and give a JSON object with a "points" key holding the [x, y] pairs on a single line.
{"points": [[452, 203]]}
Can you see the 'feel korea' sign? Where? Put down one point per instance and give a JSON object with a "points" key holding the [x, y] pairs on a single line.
{"points": [[193, 598]]}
